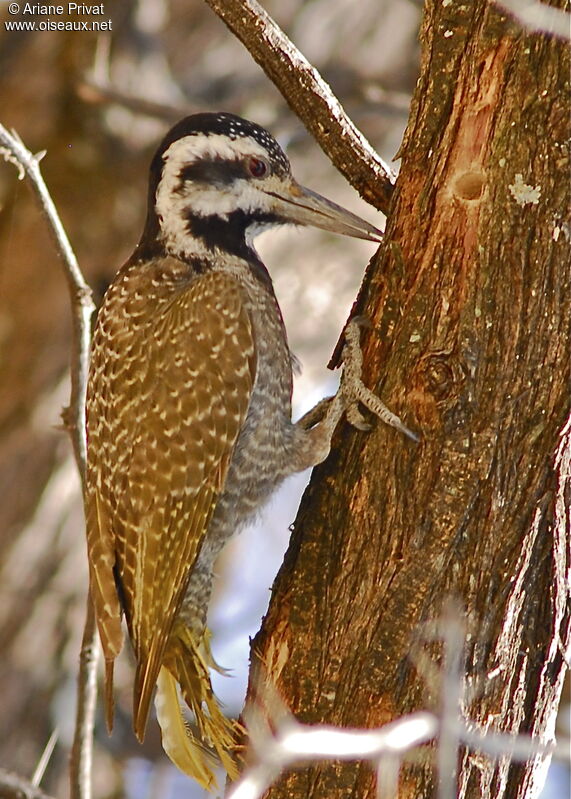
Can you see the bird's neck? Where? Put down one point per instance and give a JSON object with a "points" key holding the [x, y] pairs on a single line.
{"points": [[215, 244]]}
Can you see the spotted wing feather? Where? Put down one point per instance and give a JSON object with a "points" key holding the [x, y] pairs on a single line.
{"points": [[170, 384]]}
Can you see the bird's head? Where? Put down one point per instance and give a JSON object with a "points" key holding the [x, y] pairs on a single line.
{"points": [[218, 180]]}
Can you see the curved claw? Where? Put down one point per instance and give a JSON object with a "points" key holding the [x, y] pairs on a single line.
{"points": [[356, 419], [376, 406]]}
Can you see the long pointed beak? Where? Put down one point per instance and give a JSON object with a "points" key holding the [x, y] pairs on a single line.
{"points": [[301, 206]]}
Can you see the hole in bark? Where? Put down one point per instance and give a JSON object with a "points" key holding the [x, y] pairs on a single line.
{"points": [[469, 186]]}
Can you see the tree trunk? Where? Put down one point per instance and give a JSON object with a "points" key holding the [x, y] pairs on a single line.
{"points": [[471, 333]]}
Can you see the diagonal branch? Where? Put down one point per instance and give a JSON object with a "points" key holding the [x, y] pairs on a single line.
{"points": [[310, 97], [539, 17], [14, 151]]}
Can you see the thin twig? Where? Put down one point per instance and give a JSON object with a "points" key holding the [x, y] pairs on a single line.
{"points": [[388, 770], [516, 747], [310, 97], [40, 769], [82, 748], [12, 148], [12, 786], [452, 685]]}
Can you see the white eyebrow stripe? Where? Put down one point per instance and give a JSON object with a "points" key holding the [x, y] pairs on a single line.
{"points": [[190, 149]]}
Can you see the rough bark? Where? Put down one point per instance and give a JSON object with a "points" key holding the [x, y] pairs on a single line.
{"points": [[471, 309]]}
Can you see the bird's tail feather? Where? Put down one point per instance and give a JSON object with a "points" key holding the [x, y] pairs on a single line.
{"points": [[187, 664], [109, 699]]}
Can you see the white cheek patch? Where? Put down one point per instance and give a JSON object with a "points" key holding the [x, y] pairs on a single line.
{"points": [[211, 201]]}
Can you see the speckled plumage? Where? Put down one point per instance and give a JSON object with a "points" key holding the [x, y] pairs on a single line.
{"points": [[189, 412]]}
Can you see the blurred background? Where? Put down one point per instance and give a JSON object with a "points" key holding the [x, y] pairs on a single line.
{"points": [[99, 104]]}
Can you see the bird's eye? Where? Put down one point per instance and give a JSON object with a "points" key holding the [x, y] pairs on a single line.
{"points": [[257, 167]]}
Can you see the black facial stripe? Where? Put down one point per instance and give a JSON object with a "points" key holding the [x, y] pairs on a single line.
{"points": [[229, 233], [213, 172]]}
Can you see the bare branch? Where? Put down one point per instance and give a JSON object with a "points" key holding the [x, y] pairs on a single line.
{"points": [[12, 148], [514, 747], [277, 741], [294, 743], [310, 97], [388, 770], [453, 635], [538, 17], [82, 748], [99, 92]]}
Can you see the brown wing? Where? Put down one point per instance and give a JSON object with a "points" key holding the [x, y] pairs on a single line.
{"points": [[170, 385]]}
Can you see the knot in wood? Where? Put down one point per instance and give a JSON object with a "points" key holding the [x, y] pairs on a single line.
{"points": [[437, 380], [438, 377]]}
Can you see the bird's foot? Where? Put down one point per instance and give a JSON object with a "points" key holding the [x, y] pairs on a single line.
{"points": [[318, 424], [355, 393]]}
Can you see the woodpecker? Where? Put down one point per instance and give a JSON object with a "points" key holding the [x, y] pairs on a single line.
{"points": [[189, 423]]}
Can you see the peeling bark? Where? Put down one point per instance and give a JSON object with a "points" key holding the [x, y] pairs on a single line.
{"points": [[471, 310]]}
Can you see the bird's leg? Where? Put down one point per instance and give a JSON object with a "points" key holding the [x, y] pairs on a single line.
{"points": [[194, 606], [316, 414], [319, 423]]}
